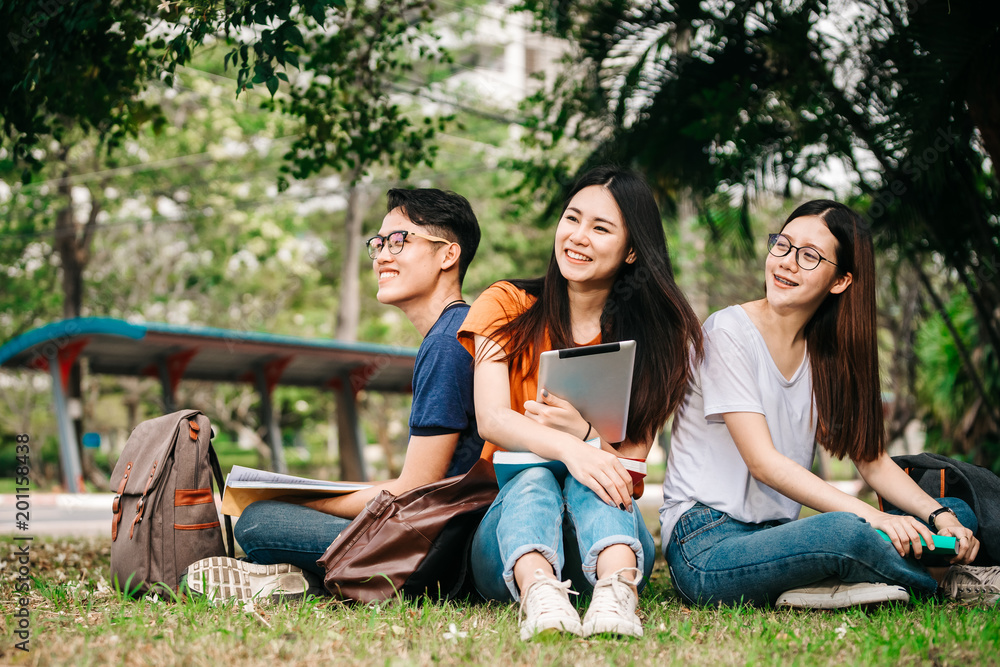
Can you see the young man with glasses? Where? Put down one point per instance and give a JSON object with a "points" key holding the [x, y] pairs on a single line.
{"points": [[420, 256]]}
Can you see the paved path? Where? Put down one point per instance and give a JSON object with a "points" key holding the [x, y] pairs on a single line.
{"points": [[62, 514], [59, 515]]}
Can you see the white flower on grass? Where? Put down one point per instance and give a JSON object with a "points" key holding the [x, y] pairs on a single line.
{"points": [[841, 631], [453, 634], [102, 587]]}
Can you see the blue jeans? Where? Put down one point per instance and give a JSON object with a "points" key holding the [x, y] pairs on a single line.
{"points": [[559, 518], [714, 558], [271, 532]]}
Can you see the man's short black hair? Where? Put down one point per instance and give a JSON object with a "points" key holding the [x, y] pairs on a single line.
{"points": [[445, 214]]}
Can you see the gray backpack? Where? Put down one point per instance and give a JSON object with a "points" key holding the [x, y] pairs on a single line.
{"points": [[164, 511]]}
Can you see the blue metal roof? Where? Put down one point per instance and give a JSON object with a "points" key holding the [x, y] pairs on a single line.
{"points": [[122, 348], [66, 330]]}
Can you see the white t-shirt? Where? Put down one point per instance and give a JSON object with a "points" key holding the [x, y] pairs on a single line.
{"points": [[737, 375]]}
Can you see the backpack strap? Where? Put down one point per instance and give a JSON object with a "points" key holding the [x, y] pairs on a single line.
{"points": [[141, 504], [116, 504], [217, 473]]}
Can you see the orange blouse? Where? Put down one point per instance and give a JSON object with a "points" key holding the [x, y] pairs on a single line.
{"points": [[499, 304]]}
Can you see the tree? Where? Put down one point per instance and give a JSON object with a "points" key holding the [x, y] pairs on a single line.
{"points": [[78, 72], [746, 98]]}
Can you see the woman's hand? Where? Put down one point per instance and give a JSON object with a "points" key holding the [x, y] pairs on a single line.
{"points": [[559, 414], [602, 473], [904, 532], [966, 544]]}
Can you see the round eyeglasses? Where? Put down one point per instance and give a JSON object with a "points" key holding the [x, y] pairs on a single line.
{"points": [[395, 241], [807, 258]]}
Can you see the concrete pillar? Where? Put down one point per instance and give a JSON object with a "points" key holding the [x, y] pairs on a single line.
{"points": [[69, 455], [350, 436], [273, 435]]}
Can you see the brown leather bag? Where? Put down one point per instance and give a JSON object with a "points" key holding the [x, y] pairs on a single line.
{"points": [[413, 544]]}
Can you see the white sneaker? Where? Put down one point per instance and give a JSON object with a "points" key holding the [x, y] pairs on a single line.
{"points": [[222, 578], [835, 594], [546, 606], [967, 582], [612, 608]]}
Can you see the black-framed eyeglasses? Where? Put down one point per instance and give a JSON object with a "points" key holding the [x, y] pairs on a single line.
{"points": [[807, 258], [394, 241]]}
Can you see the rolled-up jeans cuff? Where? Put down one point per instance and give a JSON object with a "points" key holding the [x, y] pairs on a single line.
{"points": [[508, 569], [590, 561]]}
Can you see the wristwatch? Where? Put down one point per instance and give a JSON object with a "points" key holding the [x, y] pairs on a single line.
{"points": [[935, 513]]}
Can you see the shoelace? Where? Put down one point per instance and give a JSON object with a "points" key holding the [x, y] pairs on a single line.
{"points": [[974, 580], [615, 601], [545, 595]]}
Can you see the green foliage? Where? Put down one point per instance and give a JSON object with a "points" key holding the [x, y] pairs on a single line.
{"points": [[351, 121], [183, 212], [959, 422], [693, 95], [83, 67], [73, 65]]}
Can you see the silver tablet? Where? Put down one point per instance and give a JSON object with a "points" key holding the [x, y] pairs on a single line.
{"points": [[596, 379]]}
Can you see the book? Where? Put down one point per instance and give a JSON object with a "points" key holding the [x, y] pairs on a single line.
{"points": [[248, 485], [507, 464], [944, 548]]}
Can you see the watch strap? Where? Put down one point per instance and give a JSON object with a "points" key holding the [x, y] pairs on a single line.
{"points": [[935, 513]]}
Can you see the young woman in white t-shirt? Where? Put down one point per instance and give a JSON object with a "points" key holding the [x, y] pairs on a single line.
{"points": [[796, 368]]}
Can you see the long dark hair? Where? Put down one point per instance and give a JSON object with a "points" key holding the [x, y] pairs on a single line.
{"points": [[842, 341], [644, 305]]}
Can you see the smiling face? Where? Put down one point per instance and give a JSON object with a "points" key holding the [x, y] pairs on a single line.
{"points": [[413, 273], [791, 286], [591, 242]]}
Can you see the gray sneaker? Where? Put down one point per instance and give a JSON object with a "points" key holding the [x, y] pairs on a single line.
{"points": [[222, 578], [835, 594], [968, 582]]}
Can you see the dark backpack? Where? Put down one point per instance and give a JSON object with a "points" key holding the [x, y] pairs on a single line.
{"points": [[164, 515], [943, 477]]}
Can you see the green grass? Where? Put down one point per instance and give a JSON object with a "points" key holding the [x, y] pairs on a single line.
{"points": [[78, 619]]}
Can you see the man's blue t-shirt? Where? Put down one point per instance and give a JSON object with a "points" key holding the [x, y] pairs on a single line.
{"points": [[442, 390]]}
